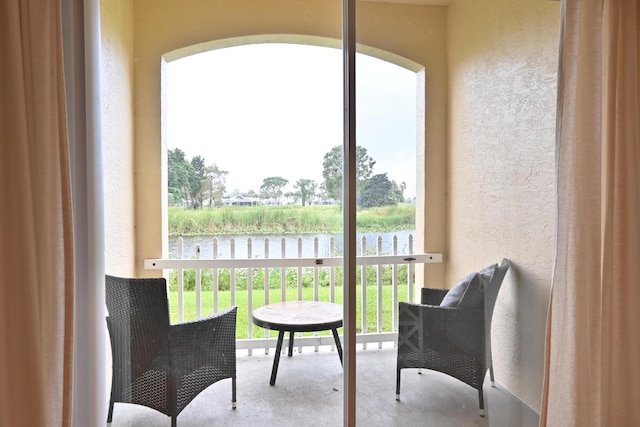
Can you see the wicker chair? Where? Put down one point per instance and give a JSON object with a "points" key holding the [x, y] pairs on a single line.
{"points": [[159, 365], [452, 340]]}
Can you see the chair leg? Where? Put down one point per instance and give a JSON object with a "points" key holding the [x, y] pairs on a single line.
{"points": [[493, 380], [398, 384], [481, 399], [233, 393], [110, 413], [174, 420]]}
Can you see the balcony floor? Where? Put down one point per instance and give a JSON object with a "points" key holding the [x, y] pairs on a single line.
{"points": [[308, 392]]}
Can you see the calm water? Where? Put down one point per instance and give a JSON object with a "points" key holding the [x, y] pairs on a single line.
{"points": [[291, 242]]}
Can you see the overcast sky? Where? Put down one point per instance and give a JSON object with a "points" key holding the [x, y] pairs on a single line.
{"points": [[276, 109]]}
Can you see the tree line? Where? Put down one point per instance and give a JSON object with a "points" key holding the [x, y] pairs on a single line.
{"points": [[195, 184]]}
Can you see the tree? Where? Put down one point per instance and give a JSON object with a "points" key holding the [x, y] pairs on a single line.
{"points": [[402, 187], [332, 173], [321, 191], [187, 180], [197, 180], [250, 193], [305, 189], [378, 191], [332, 170], [216, 184], [272, 186], [179, 170]]}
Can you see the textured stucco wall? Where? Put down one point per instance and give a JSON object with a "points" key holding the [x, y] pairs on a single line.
{"points": [[502, 92], [413, 36], [117, 135]]}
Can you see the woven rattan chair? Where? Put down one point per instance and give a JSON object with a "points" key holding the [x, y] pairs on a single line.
{"points": [[159, 365], [452, 340]]}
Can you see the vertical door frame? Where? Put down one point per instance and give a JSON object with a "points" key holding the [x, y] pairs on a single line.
{"points": [[349, 209]]}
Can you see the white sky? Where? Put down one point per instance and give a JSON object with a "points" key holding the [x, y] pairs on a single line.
{"points": [[276, 109]]}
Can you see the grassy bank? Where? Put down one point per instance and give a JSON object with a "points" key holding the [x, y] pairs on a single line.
{"points": [[285, 219]]}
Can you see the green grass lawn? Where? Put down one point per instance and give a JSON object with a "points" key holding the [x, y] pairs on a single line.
{"points": [[285, 219], [292, 295]]}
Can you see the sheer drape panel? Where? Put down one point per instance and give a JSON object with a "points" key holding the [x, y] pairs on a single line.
{"points": [[593, 348], [36, 249]]}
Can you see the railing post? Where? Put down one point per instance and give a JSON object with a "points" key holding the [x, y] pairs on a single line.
{"points": [[283, 280], [198, 286], [316, 285], [394, 283], [363, 283], [250, 292], [300, 281], [379, 289], [216, 285], [410, 271], [232, 272], [283, 274], [180, 283], [299, 270], [267, 287], [332, 274], [316, 269]]}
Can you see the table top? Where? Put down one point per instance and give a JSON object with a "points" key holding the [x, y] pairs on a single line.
{"points": [[299, 316]]}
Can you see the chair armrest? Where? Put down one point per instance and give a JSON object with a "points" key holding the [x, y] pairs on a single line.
{"points": [[206, 342], [432, 296]]}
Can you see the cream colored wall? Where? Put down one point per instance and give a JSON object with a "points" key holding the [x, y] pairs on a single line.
{"points": [[502, 92], [416, 33], [117, 135]]}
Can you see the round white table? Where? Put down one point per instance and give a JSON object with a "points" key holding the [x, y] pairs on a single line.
{"points": [[298, 316]]}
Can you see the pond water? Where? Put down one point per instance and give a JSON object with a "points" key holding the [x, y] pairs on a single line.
{"points": [[291, 245]]}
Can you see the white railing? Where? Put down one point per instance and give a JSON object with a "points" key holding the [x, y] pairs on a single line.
{"points": [[299, 265]]}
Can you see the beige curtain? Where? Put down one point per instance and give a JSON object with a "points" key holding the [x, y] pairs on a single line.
{"points": [[36, 250], [592, 375]]}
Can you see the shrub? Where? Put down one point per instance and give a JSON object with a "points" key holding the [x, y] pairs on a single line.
{"points": [[275, 278]]}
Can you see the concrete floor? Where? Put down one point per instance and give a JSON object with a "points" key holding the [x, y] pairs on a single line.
{"points": [[308, 392]]}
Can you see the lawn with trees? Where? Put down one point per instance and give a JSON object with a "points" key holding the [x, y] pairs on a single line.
{"points": [[193, 183]]}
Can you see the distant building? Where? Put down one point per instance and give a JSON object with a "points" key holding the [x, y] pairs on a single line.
{"points": [[323, 202], [240, 201]]}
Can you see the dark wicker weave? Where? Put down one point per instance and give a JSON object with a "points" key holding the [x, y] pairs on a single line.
{"points": [[159, 365], [451, 340]]}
